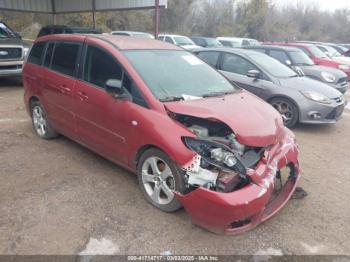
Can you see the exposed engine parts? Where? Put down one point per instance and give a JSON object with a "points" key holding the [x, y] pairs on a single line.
{"points": [[222, 162]]}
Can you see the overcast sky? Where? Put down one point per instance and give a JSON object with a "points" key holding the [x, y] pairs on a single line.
{"points": [[323, 4]]}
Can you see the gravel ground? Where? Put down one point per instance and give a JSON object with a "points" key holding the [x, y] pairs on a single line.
{"points": [[56, 197]]}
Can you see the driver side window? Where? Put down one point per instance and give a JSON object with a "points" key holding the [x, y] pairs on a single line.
{"points": [[236, 64], [100, 66]]}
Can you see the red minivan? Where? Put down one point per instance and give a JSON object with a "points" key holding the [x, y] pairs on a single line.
{"points": [[193, 138], [316, 55]]}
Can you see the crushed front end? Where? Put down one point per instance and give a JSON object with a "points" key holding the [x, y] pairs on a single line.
{"points": [[233, 187]]}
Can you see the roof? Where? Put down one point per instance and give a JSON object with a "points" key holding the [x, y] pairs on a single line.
{"points": [[288, 44], [286, 48], [171, 35], [70, 6], [238, 51], [120, 42]]}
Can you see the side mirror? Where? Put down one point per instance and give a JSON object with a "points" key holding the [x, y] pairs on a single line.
{"points": [[114, 88], [253, 74], [288, 62]]}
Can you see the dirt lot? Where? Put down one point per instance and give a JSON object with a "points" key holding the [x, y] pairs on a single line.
{"points": [[56, 197]]}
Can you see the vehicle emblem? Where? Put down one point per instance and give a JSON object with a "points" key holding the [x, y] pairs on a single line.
{"points": [[3, 53]]}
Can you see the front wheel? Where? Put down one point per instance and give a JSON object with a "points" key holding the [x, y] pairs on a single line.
{"points": [[287, 109], [159, 177]]}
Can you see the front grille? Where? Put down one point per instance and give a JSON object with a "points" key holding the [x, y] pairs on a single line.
{"points": [[342, 80], [10, 67], [10, 52], [338, 99], [336, 113]]}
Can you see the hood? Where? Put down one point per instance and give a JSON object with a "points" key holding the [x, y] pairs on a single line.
{"points": [[316, 70], [254, 122], [11, 41], [342, 59], [308, 84]]}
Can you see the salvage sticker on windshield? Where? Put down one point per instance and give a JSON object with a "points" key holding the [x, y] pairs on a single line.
{"points": [[192, 60]]}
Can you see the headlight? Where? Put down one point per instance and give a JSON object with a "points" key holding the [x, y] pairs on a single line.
{"points": [[215, 154], [25, 51], [328, 77], [344, 67], [314, 96]]}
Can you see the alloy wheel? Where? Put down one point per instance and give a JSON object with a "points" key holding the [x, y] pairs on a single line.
{"points": [[39, 120], [158, 180]]}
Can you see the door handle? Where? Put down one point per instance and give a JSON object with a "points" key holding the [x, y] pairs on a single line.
{"points": [[82, 96], [65, 88]]}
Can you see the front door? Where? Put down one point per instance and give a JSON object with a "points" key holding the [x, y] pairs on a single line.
{"points": [[103, 121], [236, 68]]}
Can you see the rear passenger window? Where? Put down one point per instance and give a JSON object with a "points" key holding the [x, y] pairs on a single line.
{"points": [[245, 43], [48, 55], [100, 66], [209, 57], [279, 55], [169, 40], [226, 43], [65, 58], [36, 53]]}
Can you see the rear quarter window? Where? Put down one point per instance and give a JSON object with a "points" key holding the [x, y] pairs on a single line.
{"points": [[36, 53]]}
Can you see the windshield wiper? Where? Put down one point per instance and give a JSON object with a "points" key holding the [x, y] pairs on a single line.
{"points": [[171, 99], [220, 93]]}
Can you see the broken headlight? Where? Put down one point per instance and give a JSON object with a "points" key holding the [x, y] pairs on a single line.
{"points": [[215, 154]]}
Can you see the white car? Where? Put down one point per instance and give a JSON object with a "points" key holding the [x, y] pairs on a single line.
{"points": [[133, 34], [237, 42], [179, 40]]}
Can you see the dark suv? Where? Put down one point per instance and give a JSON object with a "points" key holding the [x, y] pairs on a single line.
{"points": [[63, 29], [13, 50], [303, 65]]}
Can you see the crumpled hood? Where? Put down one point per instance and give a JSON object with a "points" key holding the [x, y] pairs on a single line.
{"points": [[254, 122]]}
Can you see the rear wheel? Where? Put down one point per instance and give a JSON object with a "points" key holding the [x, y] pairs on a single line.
{"points": [[159, 177], [287, 109], [41, 124]]}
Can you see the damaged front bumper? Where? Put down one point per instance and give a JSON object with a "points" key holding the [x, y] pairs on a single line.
{"points": [[244, 209]]}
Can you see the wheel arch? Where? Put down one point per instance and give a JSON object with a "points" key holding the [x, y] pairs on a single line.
{"points": [[287, 98], [141, 151]]}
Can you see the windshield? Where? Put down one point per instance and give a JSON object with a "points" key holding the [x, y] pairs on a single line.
{"points": [[317, 52], [177, 74], [213, 43], [182, 40], [6, 32], [272, 66], [300, 58]]}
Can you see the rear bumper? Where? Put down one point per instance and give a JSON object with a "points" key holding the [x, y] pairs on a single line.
{"points": [[244, 209]]}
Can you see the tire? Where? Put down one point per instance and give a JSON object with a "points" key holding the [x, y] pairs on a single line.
{"points": [[40, 122], [287, 109], [158, 189]]}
